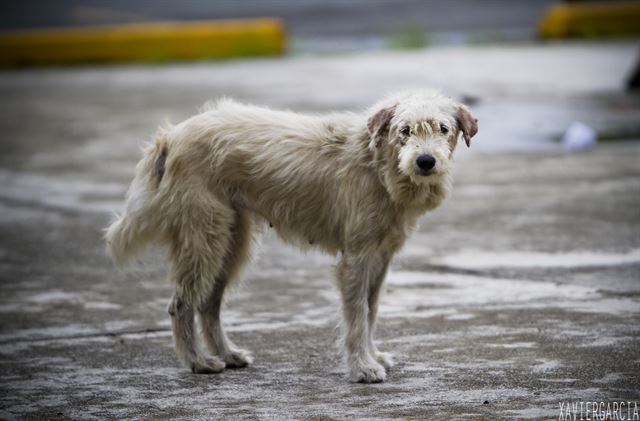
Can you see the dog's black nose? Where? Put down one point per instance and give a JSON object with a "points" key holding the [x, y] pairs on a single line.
{"points": [[426, 162]]}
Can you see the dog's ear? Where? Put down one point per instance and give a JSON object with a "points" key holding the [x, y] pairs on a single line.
{"points": [[467, 123], [378, 125]]}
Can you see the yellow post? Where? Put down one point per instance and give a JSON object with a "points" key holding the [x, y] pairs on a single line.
{"points": [[144, 42], [591, 19]]}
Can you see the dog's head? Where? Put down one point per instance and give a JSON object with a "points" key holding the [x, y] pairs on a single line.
{"points": [[417, 133]]}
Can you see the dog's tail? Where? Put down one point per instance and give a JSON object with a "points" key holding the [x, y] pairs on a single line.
{"points": [[132, 231]]}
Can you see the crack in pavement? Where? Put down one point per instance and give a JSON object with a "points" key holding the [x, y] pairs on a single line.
{"points": [[112, 334]]}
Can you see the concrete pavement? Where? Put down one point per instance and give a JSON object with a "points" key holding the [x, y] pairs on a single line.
{"points": [[521, 292]]}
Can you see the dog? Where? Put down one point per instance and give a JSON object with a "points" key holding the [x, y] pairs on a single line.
{"points": [[353, 185]]}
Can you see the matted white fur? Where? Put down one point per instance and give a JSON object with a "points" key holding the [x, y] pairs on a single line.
{"points": [[350, 184]]}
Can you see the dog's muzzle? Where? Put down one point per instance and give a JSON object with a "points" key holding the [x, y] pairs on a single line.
{"points": [[425, 164]]}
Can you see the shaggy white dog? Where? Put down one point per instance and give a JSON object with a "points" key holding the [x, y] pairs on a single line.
{"points": [[352, 185]]}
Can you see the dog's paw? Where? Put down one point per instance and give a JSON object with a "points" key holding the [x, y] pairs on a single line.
{"points": [[207, 365], [367, 373], [385, 358], [238, 358]]}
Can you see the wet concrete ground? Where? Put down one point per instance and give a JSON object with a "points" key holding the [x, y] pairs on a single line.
{"points": [[521, 292]]}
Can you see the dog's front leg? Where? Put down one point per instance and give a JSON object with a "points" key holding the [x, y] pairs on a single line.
{"points": [[355, 274], [375, 285]]}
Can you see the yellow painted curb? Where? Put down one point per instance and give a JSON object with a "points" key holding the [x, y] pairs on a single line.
{"points": [[591, 19], [146, 42]]}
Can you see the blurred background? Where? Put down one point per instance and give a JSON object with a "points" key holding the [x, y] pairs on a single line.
{"points": [[521, 291], [313, 26]]}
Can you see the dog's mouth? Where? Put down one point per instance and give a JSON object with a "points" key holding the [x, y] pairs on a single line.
{"points": [[422, 173]]}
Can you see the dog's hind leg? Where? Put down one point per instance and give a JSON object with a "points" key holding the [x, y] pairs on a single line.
{"points": [[384, 358], [238, 255], [355, 274], [200, 240], [182, 323]]}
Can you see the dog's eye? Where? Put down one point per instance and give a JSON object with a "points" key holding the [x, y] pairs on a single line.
{"points": [[444, 129], [406, 131]]}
